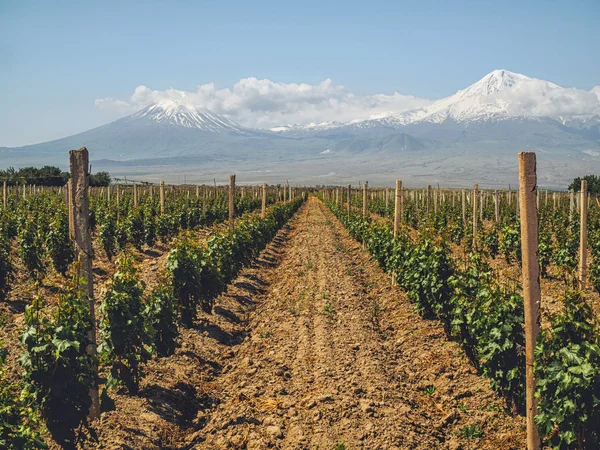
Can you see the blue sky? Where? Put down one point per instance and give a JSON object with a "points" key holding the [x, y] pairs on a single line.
{"points": [[58, 58]]}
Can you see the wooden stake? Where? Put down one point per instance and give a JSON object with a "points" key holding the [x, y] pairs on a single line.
{"points": [[497, 206], [571, 204], [264, 201], [79, 184], [231, 202], [69, 202], [365, 199], [135, 196], [531, 284], [397, 207], [464, 207], [4, 193], [475, 204], [583, 235], [349, 199], [162, 197]]}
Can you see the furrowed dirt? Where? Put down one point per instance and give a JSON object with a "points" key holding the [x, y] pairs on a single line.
{"points": [[335, 358]]}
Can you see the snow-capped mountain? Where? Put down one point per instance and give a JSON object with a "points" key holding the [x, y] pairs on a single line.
{"points": [[500, 95], [470, 136], [184, 115]]}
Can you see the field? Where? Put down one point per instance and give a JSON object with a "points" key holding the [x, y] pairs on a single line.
{"points": [[395, 320]]}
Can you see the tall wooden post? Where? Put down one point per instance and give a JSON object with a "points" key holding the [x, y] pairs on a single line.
{"points": [[583, 235], [264, 201], [365, 186], [496, 206], [428, 197], [79, 163], [531, 284], [197, 192], [349, 200], [475, 204], [231, 202], [204, 189], [135, 196], [69, 201], [464, 207], [162, 197], [571, 204], [397, 206]]}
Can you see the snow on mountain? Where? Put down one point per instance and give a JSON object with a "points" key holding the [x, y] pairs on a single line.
{"points": [[499, 95], [187, 116]]}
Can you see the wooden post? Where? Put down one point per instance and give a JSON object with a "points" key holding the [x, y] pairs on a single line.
{"points": [[365, 199], [571, 204], [397, 206], [428, 197], [162, 197], [197, 192], [497, 206], [204, 189], [135, 196], [231, 202], [69, 200], [79, 184], [475, 204], [349, 200], [464, 207], [531, 284], [583, 235], [264, 201], [4, 193]]}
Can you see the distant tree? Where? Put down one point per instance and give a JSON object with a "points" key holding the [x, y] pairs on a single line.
{"points": [[100, 179], [593, 184], [46, 176]]}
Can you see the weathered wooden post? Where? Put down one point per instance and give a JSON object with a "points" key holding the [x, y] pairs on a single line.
{"points": [[79, 163], [397, 215], [135, 196], [571, 204], [475, 204], [583, 235], [162, 197], [69, 201], [464, 207], [365, 186], [349, 200], [231, 202], [263, 212], [496, 206], [428, 198], [531, 284]]}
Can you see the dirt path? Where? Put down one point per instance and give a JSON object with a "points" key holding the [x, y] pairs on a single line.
{"points": [[336, 359]]}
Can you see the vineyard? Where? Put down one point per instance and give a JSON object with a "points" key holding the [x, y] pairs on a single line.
{"points": [[179, 317]]}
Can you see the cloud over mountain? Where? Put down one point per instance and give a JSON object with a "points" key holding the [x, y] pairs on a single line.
{"points": [[264, 103]]}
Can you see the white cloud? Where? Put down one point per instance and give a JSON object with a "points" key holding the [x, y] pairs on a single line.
{"points": [[265, 103], [539, 98]]}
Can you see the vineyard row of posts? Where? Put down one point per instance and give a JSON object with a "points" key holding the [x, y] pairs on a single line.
{"points": [[414, 246]]}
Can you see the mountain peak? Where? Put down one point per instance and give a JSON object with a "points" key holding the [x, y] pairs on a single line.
{"points": [[496, 81], [182, 113]]}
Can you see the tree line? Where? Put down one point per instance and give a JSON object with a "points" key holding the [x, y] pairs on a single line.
{"points": [[47, 176]]}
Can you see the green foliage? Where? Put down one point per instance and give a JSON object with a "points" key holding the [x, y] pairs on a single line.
{"points": [[593, 184], [567, 364], [45, 176], [108, 230], [161, 319], [6, 267], [123, 331], [58, 371], [31, 250], [510, 241], [59, 244], [19, 424], [99, 179]]}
